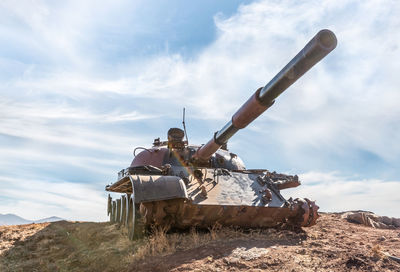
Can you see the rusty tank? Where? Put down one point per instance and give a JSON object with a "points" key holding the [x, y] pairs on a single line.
{"points": [[174, 184]]}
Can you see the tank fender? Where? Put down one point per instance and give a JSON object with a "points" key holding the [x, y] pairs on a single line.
{"points": [[155, 188]]}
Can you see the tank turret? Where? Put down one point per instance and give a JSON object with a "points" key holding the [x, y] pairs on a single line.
{"points": [[179, 185]]}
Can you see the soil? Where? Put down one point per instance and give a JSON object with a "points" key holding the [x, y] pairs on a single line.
{"points": [[332, 245], [64, 246]]}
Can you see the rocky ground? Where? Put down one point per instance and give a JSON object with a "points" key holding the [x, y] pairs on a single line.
{"points": [[332, 245]]}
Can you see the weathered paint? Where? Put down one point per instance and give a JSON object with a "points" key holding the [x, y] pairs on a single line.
{"points": [[179, 185]]}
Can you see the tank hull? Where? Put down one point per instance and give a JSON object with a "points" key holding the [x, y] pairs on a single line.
{"points": [[204, 197]]}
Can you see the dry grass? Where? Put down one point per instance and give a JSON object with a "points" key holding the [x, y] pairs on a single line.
{"points": [[161, 243], [332, 245], [75, 246], [66, 246]]}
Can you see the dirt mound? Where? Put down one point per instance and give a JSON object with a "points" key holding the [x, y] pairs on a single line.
{"points": [[334, 244], [64, 246]]}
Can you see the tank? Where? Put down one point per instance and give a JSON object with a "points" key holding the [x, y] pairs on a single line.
{"points": [[175, 184]]}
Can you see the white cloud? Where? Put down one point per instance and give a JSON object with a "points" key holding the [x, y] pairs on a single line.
{"points": [[336, 193], [74, 136], [346, 105], [47, 111], [34, 199]]}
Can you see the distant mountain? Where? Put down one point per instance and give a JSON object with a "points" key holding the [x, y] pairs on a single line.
{"points": [[12, 219], [49, 219]]}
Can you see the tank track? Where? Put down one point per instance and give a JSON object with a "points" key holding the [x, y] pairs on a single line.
{"points": [[181, 214]]}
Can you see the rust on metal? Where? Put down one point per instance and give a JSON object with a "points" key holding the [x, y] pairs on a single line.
{"points": [[207, 150], [180, 185], [153, 156], [249, 111]]}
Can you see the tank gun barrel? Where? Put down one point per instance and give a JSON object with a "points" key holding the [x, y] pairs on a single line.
{"points": [[315, 50]]}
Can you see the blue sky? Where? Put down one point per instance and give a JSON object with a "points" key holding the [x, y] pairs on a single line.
{"points": [[83, 84]]}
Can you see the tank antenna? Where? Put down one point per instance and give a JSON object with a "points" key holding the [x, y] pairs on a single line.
{"points": [[184, 126]]}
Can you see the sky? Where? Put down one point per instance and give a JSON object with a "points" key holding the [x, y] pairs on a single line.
{"points": [[83, 83]]}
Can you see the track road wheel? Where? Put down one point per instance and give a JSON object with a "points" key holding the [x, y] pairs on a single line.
{"points": [[109, 205], [305, 213], [135, 222]]}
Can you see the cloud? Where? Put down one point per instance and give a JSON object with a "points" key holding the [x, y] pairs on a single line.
{"points": [[36, 199], [47, 111], [75, 99], [336, 193]]}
